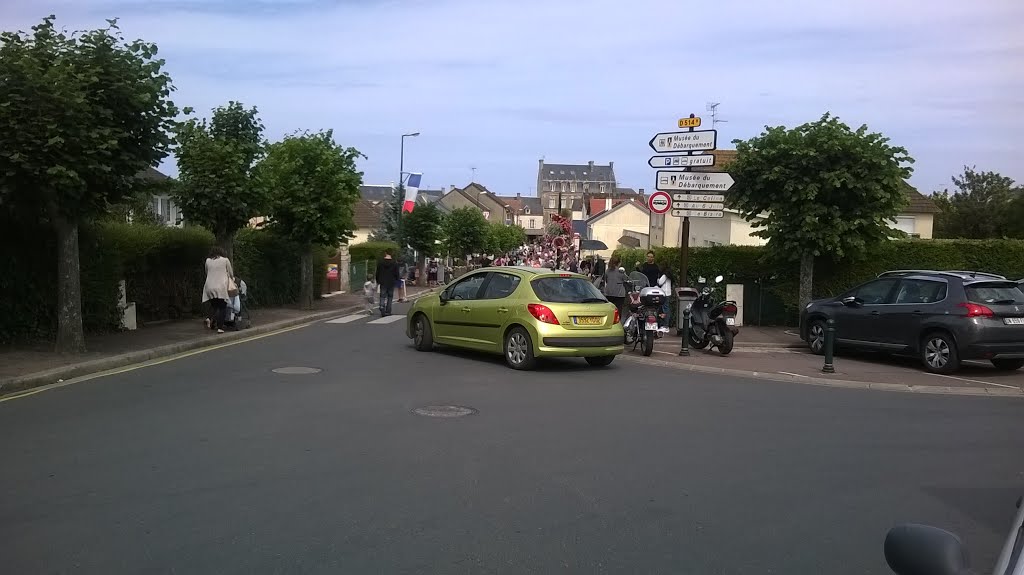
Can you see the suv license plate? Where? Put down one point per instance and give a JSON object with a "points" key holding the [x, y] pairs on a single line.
{"points": [[1013, 320], [730, 321], [588, 320]]}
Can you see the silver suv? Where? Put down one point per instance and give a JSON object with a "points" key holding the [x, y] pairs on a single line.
{"points": [[943, 317]]}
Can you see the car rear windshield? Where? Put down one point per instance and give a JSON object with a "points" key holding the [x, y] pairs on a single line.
{"points": [[566, 290], [995, 293]]}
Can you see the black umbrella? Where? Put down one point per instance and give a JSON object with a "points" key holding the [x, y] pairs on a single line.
{"points": [[630, 241], [592, 245]]}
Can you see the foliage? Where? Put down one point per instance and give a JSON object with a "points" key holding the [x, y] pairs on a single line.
{"points": [[503, 238], [390, 217], [216, 159], [826, 189], [371, 251], [464, 231], [81, 115], [560, 225], [270, 266], [421, 229], [983, 205]]}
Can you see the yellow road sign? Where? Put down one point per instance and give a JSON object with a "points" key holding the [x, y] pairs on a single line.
{"points": [[689, 122]]}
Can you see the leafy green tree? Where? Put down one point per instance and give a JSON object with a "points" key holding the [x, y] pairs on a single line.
{"points": [[312, 185], [390, 218], [464, 231], [80, 115], [216, 159], [421, 230], [826, 189], [983, 205], [502, 238]]}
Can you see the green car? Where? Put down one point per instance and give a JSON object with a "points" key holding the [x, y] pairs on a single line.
{"points": [[522, 313]]}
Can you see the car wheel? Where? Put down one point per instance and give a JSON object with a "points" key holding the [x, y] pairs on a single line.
{"points": [[939, 354], [600, 361], [519, 349], [423, 336], [1008, 364], [816, 337]]}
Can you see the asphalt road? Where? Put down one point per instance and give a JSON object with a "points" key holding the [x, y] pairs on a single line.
{"points": [[215, 464]]}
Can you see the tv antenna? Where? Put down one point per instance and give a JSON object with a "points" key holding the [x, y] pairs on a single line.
{"points": [[472, 169], [713, 108]]}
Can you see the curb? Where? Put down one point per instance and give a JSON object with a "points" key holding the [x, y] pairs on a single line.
{"points": [[737, 343], [836, 383], [28, 381]]}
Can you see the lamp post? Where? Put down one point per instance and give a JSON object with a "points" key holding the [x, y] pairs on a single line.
{"points": [[401, 192]]}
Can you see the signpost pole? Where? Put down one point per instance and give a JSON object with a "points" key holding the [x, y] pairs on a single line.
{"points": [[684, 241]]}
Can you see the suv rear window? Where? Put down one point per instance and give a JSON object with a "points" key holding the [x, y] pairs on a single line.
{"points": [[566, 290], [995, 293]]}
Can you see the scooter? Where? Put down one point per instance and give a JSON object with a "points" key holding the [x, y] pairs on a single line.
{"points": [[712, 324], [641, 324]]}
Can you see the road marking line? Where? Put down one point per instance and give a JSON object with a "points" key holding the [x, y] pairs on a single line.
{"points": [[349, 318], [793, 374], [975, 381], [387, 319], [150, 363]]}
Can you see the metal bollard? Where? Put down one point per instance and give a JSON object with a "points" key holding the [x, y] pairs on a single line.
{"points": [[685, 346], [830, 340]]}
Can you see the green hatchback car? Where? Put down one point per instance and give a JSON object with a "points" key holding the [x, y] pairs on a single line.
{"points": [[522, 313]]}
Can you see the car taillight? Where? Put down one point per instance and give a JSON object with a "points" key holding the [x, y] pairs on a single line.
{"points": [[617, 316], [975, 310], [730, 309], [542, 313]]}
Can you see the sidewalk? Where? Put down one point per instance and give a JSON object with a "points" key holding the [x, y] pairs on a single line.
{"points": [[855, 370], [26, 367], [751, 336]]}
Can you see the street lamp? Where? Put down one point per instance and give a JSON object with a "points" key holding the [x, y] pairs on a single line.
{"points": [[401, 160]]}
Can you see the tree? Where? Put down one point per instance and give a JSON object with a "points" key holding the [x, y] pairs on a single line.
{"points": [[982, 206], [502, 238], [312, 184], [826, 189], [421, 229], [464, 231], [80, 115], [390, 218], [216, 161]]}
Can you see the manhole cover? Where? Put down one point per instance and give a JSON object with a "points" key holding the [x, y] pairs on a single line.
{"points": [[444, 411], [296, 370]]}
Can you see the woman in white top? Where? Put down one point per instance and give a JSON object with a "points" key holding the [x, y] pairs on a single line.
{"points": [[215, 291]]}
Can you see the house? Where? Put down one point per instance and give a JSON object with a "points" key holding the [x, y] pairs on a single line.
{"points": [[478, 197], [559, 185], [161, 203], [367, 217], [627, 219], [526, 212], [380, 193]]}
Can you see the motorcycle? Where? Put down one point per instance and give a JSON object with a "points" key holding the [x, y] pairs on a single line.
{"points": [[641, 323], [712, 324]]}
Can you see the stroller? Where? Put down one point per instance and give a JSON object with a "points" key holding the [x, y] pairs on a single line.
{"points": [[238, 309]]}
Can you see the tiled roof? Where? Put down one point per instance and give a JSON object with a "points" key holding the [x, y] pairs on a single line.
{"points": [[919, 203], [581, 172], [722, 157], [597, 205], [517, 203], [366, 214], [376, 193], [638, 204], [152, 175]]}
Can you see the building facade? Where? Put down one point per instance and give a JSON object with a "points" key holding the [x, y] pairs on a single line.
{"points": [[559, 185]]}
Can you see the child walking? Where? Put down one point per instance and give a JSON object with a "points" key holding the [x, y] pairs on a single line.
{"points": [[370, 294]]}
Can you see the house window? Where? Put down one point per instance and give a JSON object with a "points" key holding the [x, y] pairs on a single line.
{"points": [[552, 184], [603, 189], [526, 211], [572, 187], [552, 202], [533, 223], [586, 187], [563, 187], [906, 224], [487, 215]]}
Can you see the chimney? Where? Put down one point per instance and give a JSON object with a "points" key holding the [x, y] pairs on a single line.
{"points": [[590, 165], [518, 195], [611, 165], [641, 192], [608, 203], [541, 163]]}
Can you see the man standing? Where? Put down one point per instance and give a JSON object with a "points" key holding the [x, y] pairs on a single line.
{"points": [[387, 277]]}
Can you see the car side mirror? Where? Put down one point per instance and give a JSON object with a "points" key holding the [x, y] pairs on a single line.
{"points": [[850, 301], [443, 297], [923, 550]]}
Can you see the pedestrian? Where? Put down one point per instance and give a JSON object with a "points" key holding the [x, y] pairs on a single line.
{"points": [[650, 269], [387, 279], [432, 273], [614, 286], [219, 288], [599, 267], [665, 283], [369, 294]]}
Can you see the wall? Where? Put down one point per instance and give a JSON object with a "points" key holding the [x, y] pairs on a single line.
{"points": [[730, 229], [920, 224], [536, 219], [361, 235], [610, 227]]}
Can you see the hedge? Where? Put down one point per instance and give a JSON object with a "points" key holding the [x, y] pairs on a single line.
{"points": [[371, 251], [162, 268], [747, 264]]}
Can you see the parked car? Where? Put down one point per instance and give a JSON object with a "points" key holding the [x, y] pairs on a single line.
{"points": [[522, 313], [944, 317]]}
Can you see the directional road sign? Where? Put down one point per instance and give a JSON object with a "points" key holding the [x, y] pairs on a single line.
{"points": [[659, 202], [697, 206], [681, 161], [684, 141], [698, 198], [697, 214], [696, 181]]}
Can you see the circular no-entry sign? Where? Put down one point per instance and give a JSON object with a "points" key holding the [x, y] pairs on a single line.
{"points": [[659, 202]]}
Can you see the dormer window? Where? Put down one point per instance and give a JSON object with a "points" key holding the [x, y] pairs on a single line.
{"points": [[526, 210]]}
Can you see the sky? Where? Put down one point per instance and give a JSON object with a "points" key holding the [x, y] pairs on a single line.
{"points": [[496, 85]]}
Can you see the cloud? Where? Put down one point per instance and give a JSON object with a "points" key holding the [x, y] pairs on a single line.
{"points": [[498, 84]]}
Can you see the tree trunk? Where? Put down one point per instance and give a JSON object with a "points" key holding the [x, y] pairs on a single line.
{"points": [[306, 274], [226, 241], [806, 278], [70, 336]]}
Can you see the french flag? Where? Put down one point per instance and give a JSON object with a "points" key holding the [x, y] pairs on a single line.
{"points": [[411, 188]]}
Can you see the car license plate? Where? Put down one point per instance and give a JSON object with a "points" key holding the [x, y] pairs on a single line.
{"points": [[587, 320], [1013, 320], [652, 325], [730, 321]]}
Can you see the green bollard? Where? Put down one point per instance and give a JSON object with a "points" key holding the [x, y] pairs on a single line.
{"points": [[830, 341]]}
